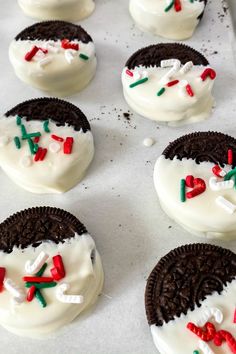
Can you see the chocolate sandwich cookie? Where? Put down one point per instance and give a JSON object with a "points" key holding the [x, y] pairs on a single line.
{"points": [[195, 182], [190, 301], [46, 145], [54, 56], [50, 271], [173, 19], [169, 82], [72, 10]]}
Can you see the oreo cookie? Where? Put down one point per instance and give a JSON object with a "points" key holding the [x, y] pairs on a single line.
{"points": [[50, 271], [54, 56], [46, 145], [194, 180], [74, 10], [190, 287], [169, 82], [175, 20]]}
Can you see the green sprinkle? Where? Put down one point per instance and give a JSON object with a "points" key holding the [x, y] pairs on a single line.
{"points": [[83, 56], [162, 90], [45, 126], [192, 2], [18, 120], [23, 130], [31, 146], [30, 135], [230, 174], [41, 270], [139, 82], [28, 284], [182, 190], [17, 142], [36, 147], [40, 298], [195, 351], [170, 6], [235, 181]]}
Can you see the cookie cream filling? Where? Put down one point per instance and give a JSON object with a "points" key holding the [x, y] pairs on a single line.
{"points": [[83, 273], [175, 106], [150, 16], [59, 71], [58, 172], [174, 338], [200, 215], [71, 10]]}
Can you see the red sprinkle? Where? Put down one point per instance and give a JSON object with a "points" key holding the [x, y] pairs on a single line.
{"points": [[189, 181], [128, 72], [230, 157], [217, 171], [172, 83], [189, 90], [178, 6], [57, 138], [38, 279], [31, 54], [66, 44], [40, 154], [36, 139], [45, 51], [2, 277], [222, 336], [68, 144], [207, 333], [199, 186], [208, 73], [30, 293], [58, 272]]}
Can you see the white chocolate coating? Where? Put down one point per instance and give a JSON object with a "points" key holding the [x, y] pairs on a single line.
{"points": [[200, 215], [85, 278], [174, 338], [53, 72], [174, 106], [58, 172], [150, 16], [68, 10]]}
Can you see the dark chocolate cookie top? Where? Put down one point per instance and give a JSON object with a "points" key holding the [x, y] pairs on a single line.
{"points": [[202, 146], [62, 112], [154, 54], [35, 225], [184, 277], [54, 30]]}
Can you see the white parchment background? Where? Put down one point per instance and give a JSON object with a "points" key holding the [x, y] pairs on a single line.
{"points": [[117, 200]]}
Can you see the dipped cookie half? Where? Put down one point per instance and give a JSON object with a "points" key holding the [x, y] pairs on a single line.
{"points": [[50, 271], [46, 145]]}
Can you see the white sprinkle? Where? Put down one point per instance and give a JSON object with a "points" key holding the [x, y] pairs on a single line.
{"points": [[208, 314], [144, 74], [68, 299], [69, 55], [54, 147], [26, 161], [218, 186], [226, 204], [186, 68], [148, 142], [45, 61], [51, 48], [15, 290], [175, 68], [205, 347], [137, 75], [34, 267], [4, 140]]}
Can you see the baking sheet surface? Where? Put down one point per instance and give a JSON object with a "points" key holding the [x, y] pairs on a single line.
{"points": [[117, 201]]}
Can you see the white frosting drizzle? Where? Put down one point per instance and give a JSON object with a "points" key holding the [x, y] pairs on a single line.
{"points": [[173, 337], [84, 276], [200, 215], [175, 106], [150, 16], [70, 10], [58, 172], [60, 71]]}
